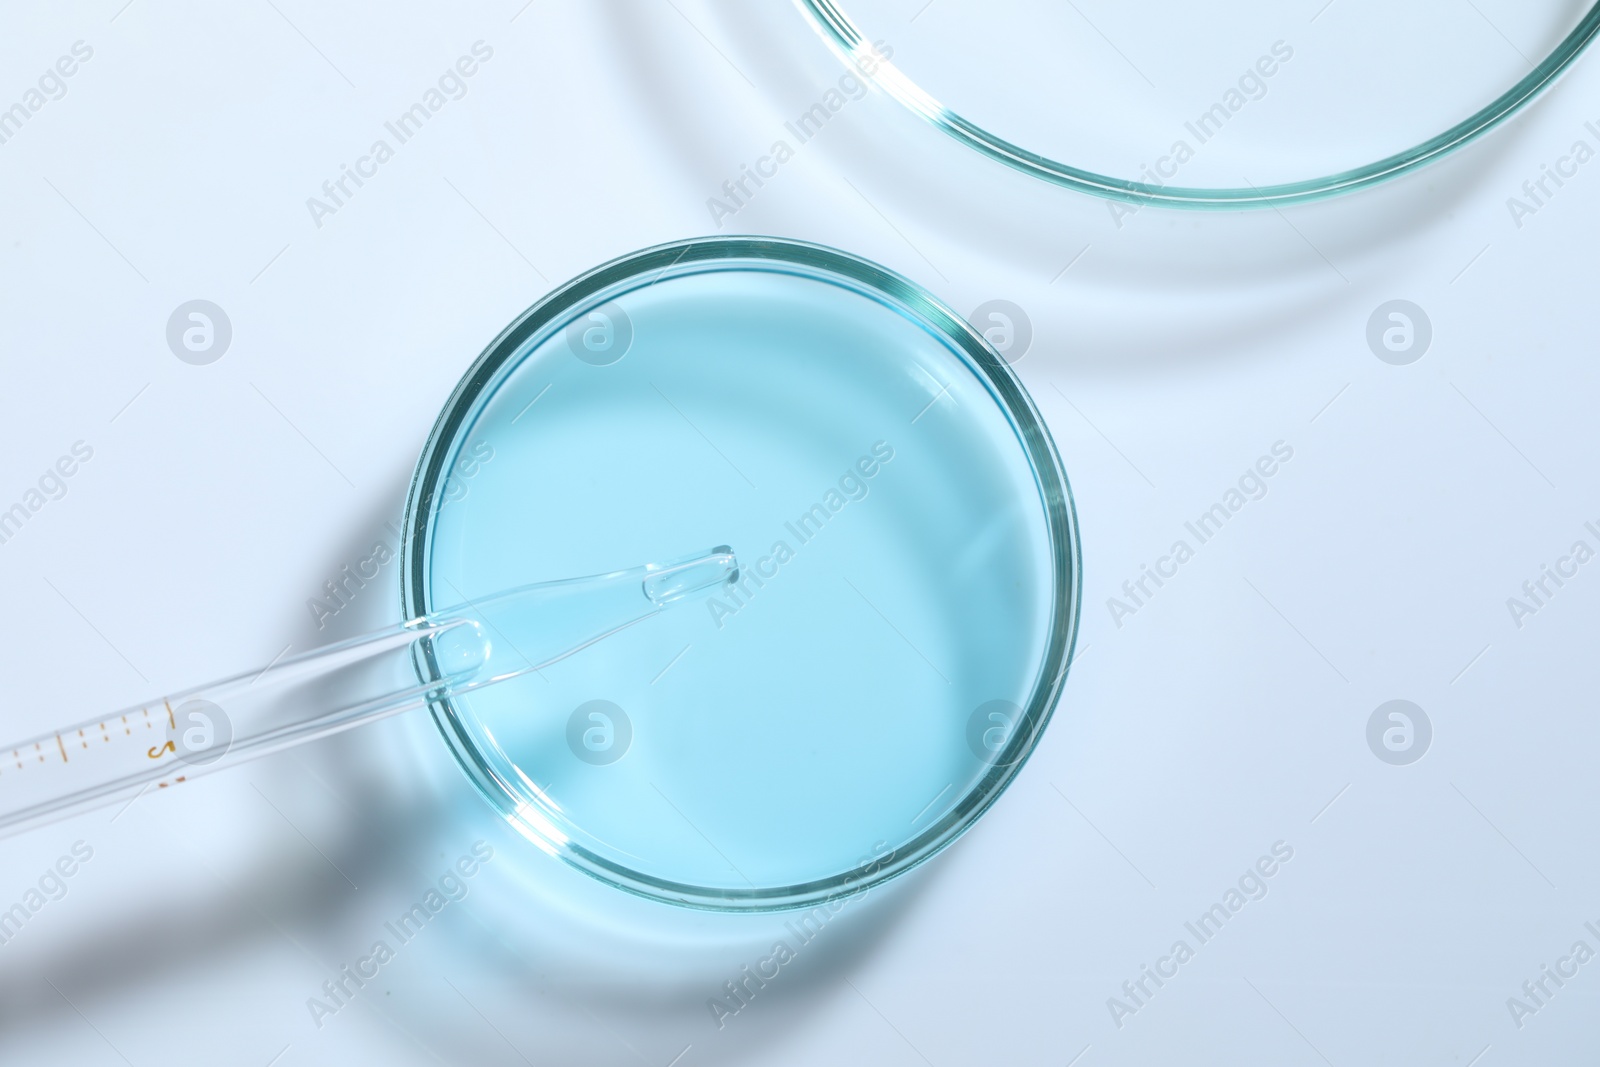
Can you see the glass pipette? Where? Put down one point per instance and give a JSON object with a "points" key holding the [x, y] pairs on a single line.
{"points": [[155, 745]]}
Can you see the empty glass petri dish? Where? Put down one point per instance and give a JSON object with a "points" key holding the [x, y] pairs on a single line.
{"points": [[1238, 103], [909, 576]]}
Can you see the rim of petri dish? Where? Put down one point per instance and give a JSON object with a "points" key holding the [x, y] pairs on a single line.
{"points": [[541, 823], [855, 49]]}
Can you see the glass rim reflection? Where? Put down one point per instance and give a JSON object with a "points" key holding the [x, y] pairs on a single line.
{"points": [[853, 47]]}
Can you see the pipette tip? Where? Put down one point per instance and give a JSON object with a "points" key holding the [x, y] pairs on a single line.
{"points": [[670, 582]]}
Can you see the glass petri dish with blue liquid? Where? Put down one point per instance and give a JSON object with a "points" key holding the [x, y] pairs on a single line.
{"points": [[906, 601]]}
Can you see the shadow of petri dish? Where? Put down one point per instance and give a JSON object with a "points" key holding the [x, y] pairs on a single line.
{"points": [[908, 565], [1246, 103]]}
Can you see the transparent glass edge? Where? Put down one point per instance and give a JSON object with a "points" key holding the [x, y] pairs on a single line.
{"points": [[848, 43]]}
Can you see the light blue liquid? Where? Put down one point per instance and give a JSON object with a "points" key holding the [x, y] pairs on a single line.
{"points": [[791, 731]]}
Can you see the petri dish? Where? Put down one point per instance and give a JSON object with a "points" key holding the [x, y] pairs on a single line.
{"points": [[909, 573], [1242, 103]]}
